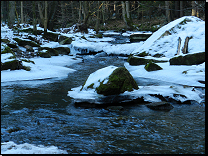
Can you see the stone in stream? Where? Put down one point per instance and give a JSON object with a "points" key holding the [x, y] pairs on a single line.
{"points": [[160, 106], [119, 82]]}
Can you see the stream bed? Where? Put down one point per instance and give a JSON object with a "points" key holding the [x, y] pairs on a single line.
{"points": [[39, 112]]}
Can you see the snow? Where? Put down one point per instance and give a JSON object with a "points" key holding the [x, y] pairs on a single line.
{"points": [[42, 69], [194, 73], [99, 76], [12, 148], [167, 45]]}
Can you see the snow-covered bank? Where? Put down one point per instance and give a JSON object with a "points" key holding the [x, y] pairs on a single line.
{"points": [[165, 40], [42, 69], [12, 148]]}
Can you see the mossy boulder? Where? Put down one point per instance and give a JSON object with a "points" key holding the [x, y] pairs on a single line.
{"points": [[136, 37], [63, 50], [133, 60], [26, 42], [119, 82], [7, 49], [143, 54], [13, 65], [64, 40], [5, 41], [152, 66], [189, 59], [51, 36], [51, 51], [44, 54]]}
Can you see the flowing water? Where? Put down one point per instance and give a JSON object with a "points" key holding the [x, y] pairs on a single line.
{"points": [[41, 113]]}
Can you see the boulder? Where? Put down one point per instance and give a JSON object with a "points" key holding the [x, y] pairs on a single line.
{"points": [[64, 40], [119, 81], [50, 36], [44, 54], [63, 50], [134, 60], [160, 106], [152, 66], [136, 37], [51, 51], [13, 65], [26, 42], [189, 59], [29, 48]]}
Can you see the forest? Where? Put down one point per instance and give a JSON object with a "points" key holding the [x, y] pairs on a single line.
{"points": [[99, 15]]}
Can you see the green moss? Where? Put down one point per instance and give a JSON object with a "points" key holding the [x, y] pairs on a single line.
{"points": [[119, 82], [152, 66], [44, 54], [83, 38], [12, 57], [25, 42], [184, 72], [143, 54], [27, 68], [184, 21], [99, 35], [7, 49], [51, 51], [189, 59], [13, 65], [90, 86], [29, 61]]}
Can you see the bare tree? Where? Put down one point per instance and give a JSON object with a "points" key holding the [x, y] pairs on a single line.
{"points": [[11, 16], [167, 11], [34, 18], [195, 11], [181, 8], [98, 17], [22, 18], [46, 17]]}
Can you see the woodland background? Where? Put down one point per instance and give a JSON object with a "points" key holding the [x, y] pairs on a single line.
{"points": [[99, 15]]}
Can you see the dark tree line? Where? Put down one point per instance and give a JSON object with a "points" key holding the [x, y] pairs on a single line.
{"points": [[56, 14]]}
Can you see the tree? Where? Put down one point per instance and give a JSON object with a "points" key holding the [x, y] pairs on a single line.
{"points": [[98, 17], [167, 11], [34, 18], [195, 11], [11, 17], [43, 18], [22, 18], [126, 15], [181, 8]]}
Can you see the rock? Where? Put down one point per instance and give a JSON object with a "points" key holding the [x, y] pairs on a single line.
{"points": [[12, 45], [143, 54], [160, 106], [26, 42], [45, 54], [29, 48], [64, 40], [63, 50], [51, 51], [136, 37], [51, 36], [119, 82], [5, 41], [152, 66], [134, 60], [13, 65], [115, 108], [189, 59]]}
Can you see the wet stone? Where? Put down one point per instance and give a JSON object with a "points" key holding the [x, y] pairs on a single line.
{"points": [[160, 106]]}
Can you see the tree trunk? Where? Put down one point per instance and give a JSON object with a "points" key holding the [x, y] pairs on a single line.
{"points": [[185, 47], [22, 18], [40, 13], [176, 9], [124, 11], [127, 10], [181, 8], [80, 11], [34, 19], [98, 18], [46, 17], [72, 8], [167, 11], [11, 17], [193, 13]]}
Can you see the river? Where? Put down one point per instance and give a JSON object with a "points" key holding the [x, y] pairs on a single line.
{"points": [[41, 113]]}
